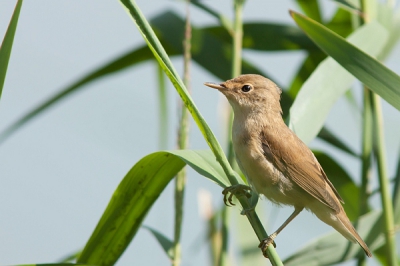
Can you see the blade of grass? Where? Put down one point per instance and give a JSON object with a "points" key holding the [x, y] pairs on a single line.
{"points": [[396, 192], [349, 6], [371, 72], [384, 186], [134, 197], [223, 20], [286, 37], [311, 9], [6, 45], [54, 264], [165, 242], [328, 83], [128, 59], [328, 137]]}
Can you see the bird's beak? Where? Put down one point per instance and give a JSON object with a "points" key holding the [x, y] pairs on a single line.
{"points": [[215, 85]]}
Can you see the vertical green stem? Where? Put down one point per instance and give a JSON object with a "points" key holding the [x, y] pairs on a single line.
{"points": [[387, 206], [223, 254], [379, 151], [183, 137], [236, 70], [237, 38], [260, 231], [163, 110], [236, 60]]}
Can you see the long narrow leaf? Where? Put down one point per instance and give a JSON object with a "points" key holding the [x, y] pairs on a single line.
{"points": [[134, 197], [223, 20], [164, 241], [126, 60], [342, 25], [6, 45], [349, 6], [54, 264], [286, 37], [369, 71], [328, 137], [328, 83], [311, 9], [396, 192]]}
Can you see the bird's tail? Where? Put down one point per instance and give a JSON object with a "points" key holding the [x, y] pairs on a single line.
{"points": [[350, 233]]}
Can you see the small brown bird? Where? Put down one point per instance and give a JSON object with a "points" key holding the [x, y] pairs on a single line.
{"points": [[275, 161]]}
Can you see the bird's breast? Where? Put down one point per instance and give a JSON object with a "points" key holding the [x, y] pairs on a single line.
{"points": [[264, 177], [250, 157]]}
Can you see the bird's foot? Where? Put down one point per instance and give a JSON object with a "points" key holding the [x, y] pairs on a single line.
{"points": [[266, 242], [236, 190]]}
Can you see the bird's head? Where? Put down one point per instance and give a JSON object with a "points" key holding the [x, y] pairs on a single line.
{"points": [[250, 93]]}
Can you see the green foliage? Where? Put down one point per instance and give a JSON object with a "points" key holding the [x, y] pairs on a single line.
{"points": [[164, 241], [6, 45], [134, 196], [328, 82], [371, 72]]}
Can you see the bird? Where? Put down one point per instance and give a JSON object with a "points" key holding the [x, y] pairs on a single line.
{"points": [[276, 163]]}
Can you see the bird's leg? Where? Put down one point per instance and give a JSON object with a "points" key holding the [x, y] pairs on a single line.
{"points": [[237, 189], [267, 241]]}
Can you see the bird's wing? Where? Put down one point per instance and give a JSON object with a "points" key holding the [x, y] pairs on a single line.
{"points": [[296, 161]]}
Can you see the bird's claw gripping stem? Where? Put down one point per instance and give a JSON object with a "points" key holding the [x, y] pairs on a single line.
{"points": [[238, 189], [265, 243]]}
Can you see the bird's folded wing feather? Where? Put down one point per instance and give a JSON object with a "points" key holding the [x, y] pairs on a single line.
{"points": [[296, 161]]}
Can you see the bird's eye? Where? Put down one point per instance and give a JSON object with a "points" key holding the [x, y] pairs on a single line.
{"points": [[246, 88]]}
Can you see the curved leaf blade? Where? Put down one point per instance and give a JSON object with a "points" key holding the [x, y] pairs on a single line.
{"points": [[328, 137], [6, 45], [311, 9], [164, 241], [369, 71], [54, 264], [286, 37], [126, 60], [134, 197], [329, 82], [223, 20]]}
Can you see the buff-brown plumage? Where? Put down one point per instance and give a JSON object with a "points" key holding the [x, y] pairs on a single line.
{"points": [[275, 161]]}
